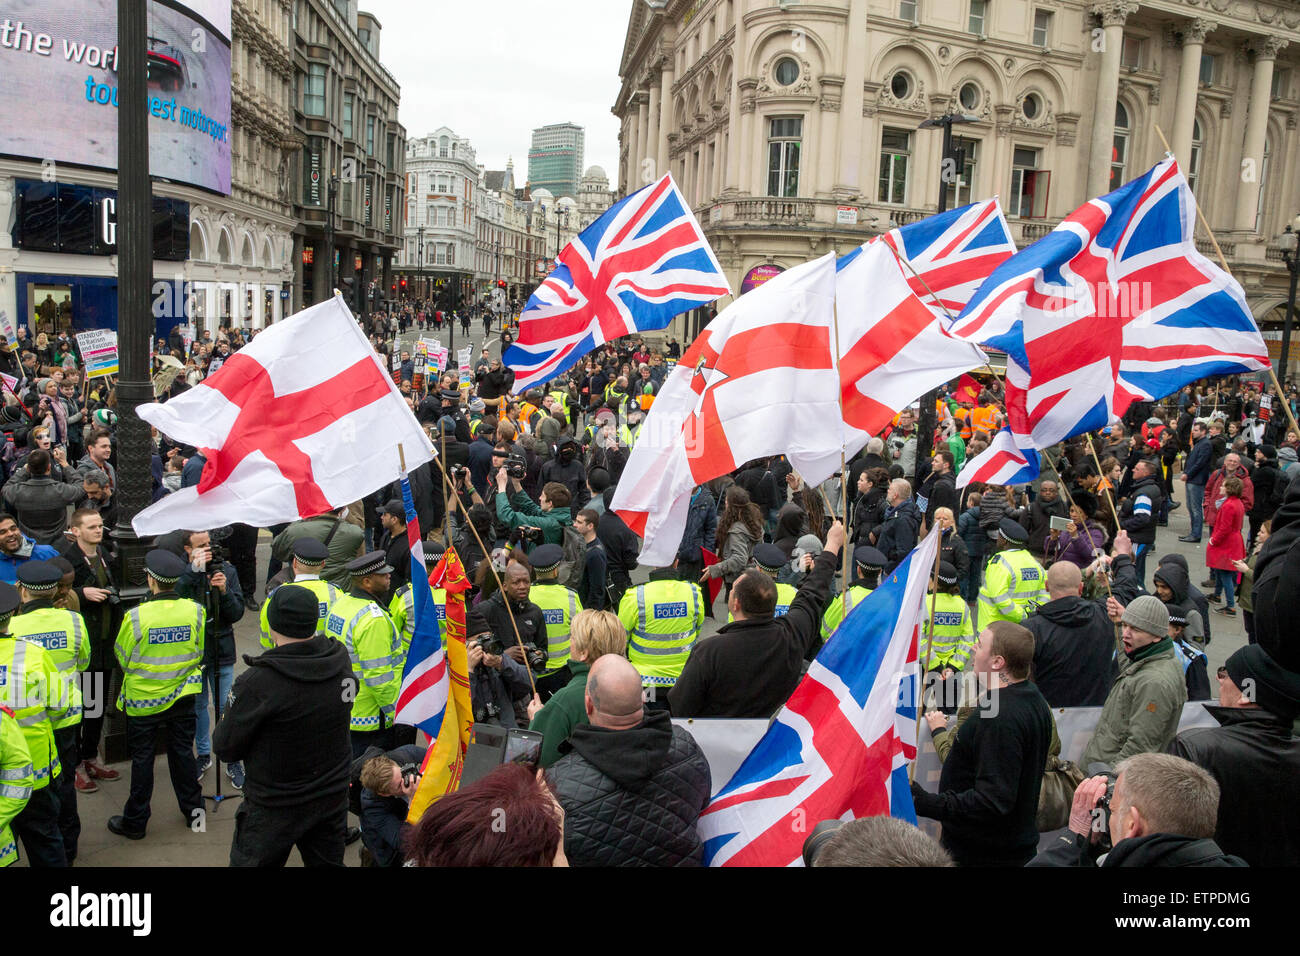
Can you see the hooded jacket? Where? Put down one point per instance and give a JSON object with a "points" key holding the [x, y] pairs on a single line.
{"points": [[1275, 597], [1154, 849], [570, 473], [1190, 595], [1074, 652], [790, 523], [896, 536], [287, 720], [701, 526], [632, 797], [1174, 576]]}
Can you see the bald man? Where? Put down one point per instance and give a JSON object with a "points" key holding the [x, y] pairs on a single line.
{"points": [[631, 783], [1074, 643]]}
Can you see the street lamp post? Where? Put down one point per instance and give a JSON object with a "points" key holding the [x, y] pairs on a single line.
{"points": [[926, 420], [419, 258], [331, 188], [1288, 242]]}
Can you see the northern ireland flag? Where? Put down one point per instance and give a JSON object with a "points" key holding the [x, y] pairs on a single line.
{"points": [[840, 747], [301, 421]]}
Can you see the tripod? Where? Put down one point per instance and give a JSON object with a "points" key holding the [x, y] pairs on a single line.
{"points": [[214, 614]]}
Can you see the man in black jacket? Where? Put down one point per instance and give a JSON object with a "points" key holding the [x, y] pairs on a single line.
{"points": [[752, 665], [897, 534], [622, 548], [527, 617], [988, 791], [1255, 758], [1047, 505], [388, 781], [1074, 643], [939, 490], [1162, 813], [632, 784], [567, 468], [1140, 510], [287, 720]]}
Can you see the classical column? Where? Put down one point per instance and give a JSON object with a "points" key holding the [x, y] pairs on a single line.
{"points": [[652, 131], [1189, 81], [1113, 13], [634, 144], [848, 178], [1261, 91], [746, 146], [666, 119], [646, 148]]}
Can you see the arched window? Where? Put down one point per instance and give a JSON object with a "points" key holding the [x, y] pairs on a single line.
{"points": [[1119, 151], [1194, 157]]}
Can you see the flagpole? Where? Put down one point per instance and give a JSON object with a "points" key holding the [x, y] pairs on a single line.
{"points": [[1110, 499], [844, 489], [1286, 406]]}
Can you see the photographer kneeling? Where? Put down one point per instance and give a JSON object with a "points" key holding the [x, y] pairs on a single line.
{"points": [[1161, 811], [388, 781]]}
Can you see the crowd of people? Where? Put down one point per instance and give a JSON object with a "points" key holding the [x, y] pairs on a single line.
{"points": [[1054, 594]]}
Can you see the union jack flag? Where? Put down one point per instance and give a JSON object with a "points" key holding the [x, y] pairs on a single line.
{"points": [[1002, 463], [422, 699], [840, 746], [1113, 306], [641, 263]]}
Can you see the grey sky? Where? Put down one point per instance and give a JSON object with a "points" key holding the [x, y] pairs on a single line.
{"points": [[492, 70]]}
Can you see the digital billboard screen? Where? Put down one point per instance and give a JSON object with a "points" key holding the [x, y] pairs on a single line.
{"points": [[59, 88]]}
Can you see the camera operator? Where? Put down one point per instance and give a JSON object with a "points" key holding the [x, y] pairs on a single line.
{"points": [[388, 782], [542, 524], [211, 582], [1158, 810], [496, 678]]}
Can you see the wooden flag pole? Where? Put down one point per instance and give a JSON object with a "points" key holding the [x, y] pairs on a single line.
{"points": [[929, 646], [1223, 262], [1110, 499], [844, 491]]}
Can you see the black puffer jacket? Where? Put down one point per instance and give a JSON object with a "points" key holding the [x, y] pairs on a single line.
{"points": [[632, 797], [1275, 591]]}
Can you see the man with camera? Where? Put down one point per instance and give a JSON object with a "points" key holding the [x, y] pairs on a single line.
{"points": [[496, 677], [1155, 810], [387, 782], [396, 545], [211, 582]]}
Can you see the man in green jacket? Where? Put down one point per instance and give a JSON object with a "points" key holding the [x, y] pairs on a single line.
{"points": [[592, 635], [517, 510], [1146, 701]]}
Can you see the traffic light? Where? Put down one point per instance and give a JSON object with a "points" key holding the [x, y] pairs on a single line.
{"points": [[403, 283], [395, 286]]}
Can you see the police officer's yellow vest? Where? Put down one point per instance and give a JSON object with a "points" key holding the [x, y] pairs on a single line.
{"points": [[63, 635], [375, 648], [1014, 587], [839, 607], [784, 598], [402, 610], [663, 621], [160, 648], [562, 398], [16, 782], [950, 632], [31, 687], [326, 594], [559, 607]]}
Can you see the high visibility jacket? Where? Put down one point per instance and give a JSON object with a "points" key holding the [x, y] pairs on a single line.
{"points": [[402, 610], [784, 596], [628, 436], [160, 648], [326, 594], [838, 608], [526, 412], [963, 417], [613, 397], [63, 635], [950, 631], [663, 621], [985, 419], [31, 687], [559, 607], [16, 781], [1014, 587], [373, 644], [562, 398]]}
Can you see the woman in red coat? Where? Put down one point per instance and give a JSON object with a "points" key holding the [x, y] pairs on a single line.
{"points": [[1227, 545]]}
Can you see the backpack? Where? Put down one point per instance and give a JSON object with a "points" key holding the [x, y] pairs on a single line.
{"points": [[575, 557]]}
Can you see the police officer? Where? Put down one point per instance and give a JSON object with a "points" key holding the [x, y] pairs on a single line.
{"points": [[768, 558], [947, 633], [560, 605], [64, 636], [362, 624], [870, 563], [16, 782], [1014, 583], [160, 648], [663, 619], [36, 694], [402, 607], [309, 557]]}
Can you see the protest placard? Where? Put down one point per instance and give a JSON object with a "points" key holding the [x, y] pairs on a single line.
{"points": [[98, 351]]}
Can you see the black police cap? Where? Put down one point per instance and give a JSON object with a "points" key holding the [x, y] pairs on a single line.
{"points": [[164, 566], [39, 575], [546, 557], [769, 557], [310, 551], [873, 559], [373, 563], [1013, 531], [9, 600]]}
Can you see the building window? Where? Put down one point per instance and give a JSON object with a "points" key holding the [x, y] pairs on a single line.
{"points": [[1281, 84], [969, 96], [451, 254], [1029, 184], [347, 117], [901, 85], [787, 71], [979, 10], [783, 147], [1119, 151], [313, 99], [1209, 63], [1042, 28], [443, 148], [1194, 158], [431, 216], [1130, 55], [370, 136], [960, 192], [895, 154], [907, 10], [1031, 106]]}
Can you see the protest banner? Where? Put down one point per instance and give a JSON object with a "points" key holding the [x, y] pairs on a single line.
{"points": [[98, 349]]}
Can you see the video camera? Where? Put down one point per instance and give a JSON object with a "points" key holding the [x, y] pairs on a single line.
{"points": [[516, 467]]}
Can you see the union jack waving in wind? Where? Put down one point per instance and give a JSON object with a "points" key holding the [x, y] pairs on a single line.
{"points": [[636, 267]]}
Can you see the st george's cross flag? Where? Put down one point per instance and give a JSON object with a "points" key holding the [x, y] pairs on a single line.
{"points": [[840, 747], [1115, 305], [644, 261], [302, 420]]}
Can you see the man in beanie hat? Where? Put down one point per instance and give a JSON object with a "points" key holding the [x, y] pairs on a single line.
{"points": [[287, 720], [1143, 708], [1013, 580], [1255, 757]]}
